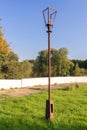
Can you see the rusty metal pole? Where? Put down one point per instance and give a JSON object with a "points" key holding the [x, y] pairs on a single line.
{"points": [[49, 23], [49, 61], [49, 70], [49, 105], [49, 65]]}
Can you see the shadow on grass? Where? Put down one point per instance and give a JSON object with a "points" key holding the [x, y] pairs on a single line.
{"points": [[36, 88], [25, 123]]}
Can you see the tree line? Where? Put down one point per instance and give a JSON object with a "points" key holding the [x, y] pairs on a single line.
{"points": [[61, 65]]}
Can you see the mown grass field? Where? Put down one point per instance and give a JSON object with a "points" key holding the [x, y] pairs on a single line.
{"points": [[28, 112]]}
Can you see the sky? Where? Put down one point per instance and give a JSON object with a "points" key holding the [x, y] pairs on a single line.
{"points": [[24, 28]]}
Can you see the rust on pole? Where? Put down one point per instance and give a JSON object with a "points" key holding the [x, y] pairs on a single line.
{"points": [[49, 15], [49, 65]]}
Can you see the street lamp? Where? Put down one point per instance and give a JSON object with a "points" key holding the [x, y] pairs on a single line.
{"points": [[49, 15]]}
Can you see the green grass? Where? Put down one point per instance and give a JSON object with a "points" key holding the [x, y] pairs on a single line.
{"points": [[28, 112]]}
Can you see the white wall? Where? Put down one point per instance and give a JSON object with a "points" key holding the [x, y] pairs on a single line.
{"points": [[34, 81], [6, 84], [61, 80]]}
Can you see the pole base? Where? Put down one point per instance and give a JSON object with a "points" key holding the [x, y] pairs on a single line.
{"points": [[49, 109]]}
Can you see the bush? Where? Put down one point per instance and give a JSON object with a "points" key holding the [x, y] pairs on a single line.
{"points": [[71, 86]]}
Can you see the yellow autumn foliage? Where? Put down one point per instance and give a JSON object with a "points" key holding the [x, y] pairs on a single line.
{"points": [[4, 46]]}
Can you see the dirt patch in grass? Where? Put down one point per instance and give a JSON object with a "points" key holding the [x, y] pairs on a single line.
{"points": [[17, 92]]}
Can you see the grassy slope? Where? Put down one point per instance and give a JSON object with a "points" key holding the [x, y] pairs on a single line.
{"points": [[28, 112]]}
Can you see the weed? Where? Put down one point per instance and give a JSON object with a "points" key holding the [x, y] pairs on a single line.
{"points": [[56, 84], [2, 89]]}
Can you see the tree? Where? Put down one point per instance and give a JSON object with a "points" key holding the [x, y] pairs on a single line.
{"points": [[64, 64], [11, 70], [77, 71], [40, 65], [60, 64], [4, 50], [11, 57], [26, 69], [9, 65], [4, 46], [82, 66]]}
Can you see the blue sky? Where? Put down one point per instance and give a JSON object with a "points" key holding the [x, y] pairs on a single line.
{"points": [[24, 27]]}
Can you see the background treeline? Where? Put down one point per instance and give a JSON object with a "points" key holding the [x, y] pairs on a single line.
{"points": [[61, 65]]}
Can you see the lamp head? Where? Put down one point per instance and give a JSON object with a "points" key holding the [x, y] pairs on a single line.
{"points": [[49, 15]]}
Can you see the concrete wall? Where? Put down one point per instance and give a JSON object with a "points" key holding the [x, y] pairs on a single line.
{"points": [[6, 84]]}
